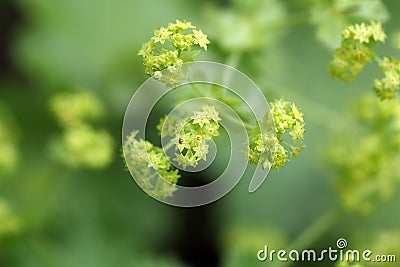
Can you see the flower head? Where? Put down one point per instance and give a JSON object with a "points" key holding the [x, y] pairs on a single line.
{"points": [[377, 32], [182, 42], [356, 51], [192, 134], [171, 46], [271, 148], [387, 87], [150, 166]]}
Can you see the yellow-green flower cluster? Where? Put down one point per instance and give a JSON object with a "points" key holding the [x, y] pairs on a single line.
{"points": [[356, 50], [83, 146], [171, 46], [387, 87], [288, 121], [365, 34], [193, 135], [368, 166], [80, 144], [72, 108], [262, 148], [331, 16], [150, 166]]}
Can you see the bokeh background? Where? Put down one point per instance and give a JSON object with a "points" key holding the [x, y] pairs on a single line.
{"points": [[58, 211]]}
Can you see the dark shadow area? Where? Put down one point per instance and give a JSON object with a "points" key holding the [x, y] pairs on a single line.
{"points": [[195, 238], [10, 20]]}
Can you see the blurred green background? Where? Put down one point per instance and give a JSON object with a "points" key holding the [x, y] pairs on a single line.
{"points": [[55, 214]]}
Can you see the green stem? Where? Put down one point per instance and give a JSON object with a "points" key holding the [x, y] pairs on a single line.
{"points": [[377, 59], [197, 90], [152, 176], [248, 126], [233, 59], [324, 117], [313, 232], [168, 146]]}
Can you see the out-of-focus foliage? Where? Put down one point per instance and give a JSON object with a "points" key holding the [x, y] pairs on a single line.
{"points": [[395, 40], [8, 143], [367, 164], [247, 25], [9, 223], [383, 242], [387, 242], [241, 243]]}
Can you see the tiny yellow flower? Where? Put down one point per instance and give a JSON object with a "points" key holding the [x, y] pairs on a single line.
{"points": [[377, 32], [200, 38], [147, 49], [361, 33], [181, 26], [161, 35]]}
